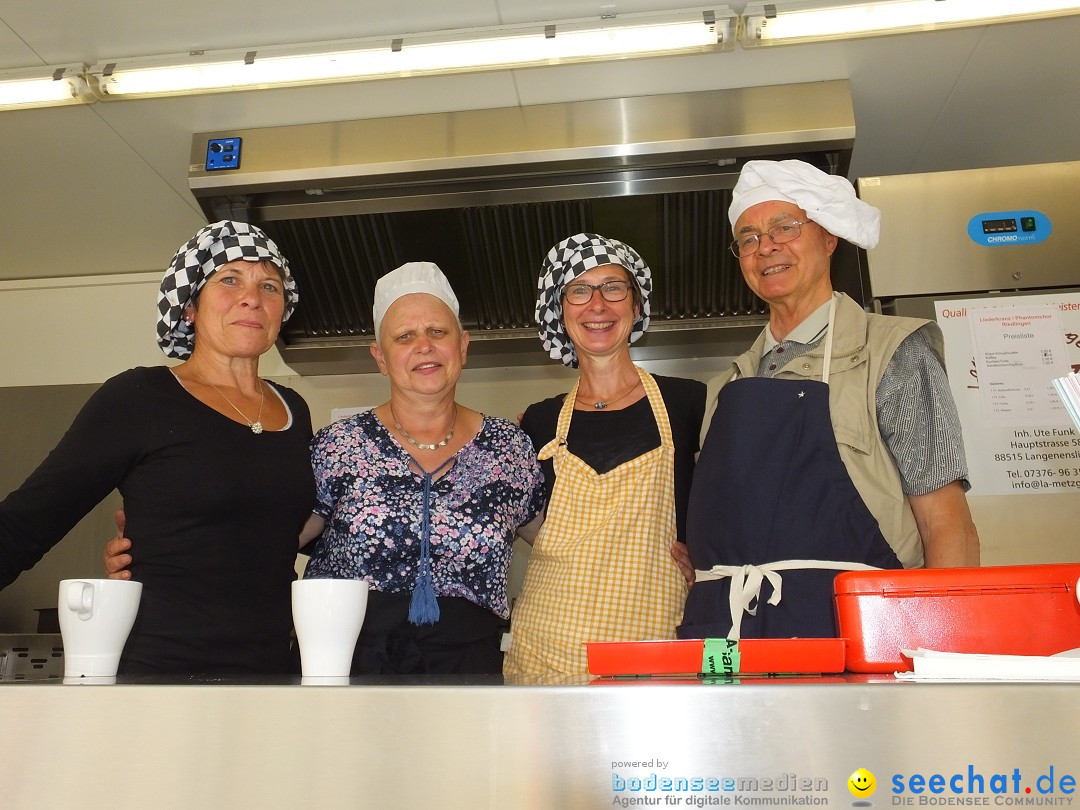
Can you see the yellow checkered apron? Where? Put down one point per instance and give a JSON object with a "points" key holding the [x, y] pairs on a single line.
{"points": [[601, 566]]}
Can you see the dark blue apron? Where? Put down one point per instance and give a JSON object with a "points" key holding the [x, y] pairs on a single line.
{"points": [[770, 485]]}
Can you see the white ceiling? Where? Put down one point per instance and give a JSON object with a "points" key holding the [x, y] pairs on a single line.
{"points": [[102, 189]]}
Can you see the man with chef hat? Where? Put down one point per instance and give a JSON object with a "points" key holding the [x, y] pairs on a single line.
{"points": [[833, 443]]}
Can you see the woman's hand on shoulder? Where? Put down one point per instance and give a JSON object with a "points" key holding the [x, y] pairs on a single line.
{"points": [[115, 556], [529, 531], [313, 527]]}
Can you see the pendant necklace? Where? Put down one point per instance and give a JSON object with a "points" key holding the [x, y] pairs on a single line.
{"points": [[424, 445], [256, 426], [600, 404]]}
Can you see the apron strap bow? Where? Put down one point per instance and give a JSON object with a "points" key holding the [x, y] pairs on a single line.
{"points": [[746, 583]]}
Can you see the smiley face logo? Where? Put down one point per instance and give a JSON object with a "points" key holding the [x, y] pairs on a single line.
{"points": [[862, 784]]}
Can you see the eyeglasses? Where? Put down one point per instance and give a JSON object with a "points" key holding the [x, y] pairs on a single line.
{"points": [[578, 293], [747, 243]]}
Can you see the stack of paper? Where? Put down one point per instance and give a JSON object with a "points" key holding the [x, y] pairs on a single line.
{"points": [[931, 665], [1068, 388]]}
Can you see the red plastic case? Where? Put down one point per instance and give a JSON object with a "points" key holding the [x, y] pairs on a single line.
{"points": [[1001, 610]]}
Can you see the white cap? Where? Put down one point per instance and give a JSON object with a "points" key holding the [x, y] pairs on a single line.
{"points": [[829, 200], [412, 277]]}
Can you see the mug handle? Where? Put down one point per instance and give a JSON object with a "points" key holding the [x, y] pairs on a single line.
{"points": [[80, 599]]}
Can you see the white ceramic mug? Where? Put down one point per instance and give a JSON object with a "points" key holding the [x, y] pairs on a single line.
{"points": [[96, 616], [328, 615]]}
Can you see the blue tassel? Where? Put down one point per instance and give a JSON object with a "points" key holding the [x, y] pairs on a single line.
{"points": [[424, 607]]}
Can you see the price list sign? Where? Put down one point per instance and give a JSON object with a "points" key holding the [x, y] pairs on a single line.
{"points": [[1002, 355]]}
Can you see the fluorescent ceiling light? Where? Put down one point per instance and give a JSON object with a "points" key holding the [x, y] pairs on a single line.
{"points": [[450, 52], [765, 24], [43, 87]]}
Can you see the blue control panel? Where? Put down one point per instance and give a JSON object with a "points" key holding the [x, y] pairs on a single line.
{"points": [[1009, 228], [222, 153]]}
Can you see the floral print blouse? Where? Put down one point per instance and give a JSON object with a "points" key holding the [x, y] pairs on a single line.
{"points": [[372, 500]]}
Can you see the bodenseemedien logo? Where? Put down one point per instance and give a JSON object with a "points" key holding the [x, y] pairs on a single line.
{"points": [[1050, 787], [701, 790]]}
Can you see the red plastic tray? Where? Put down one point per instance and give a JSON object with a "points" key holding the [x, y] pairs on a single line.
{"points": [[757, 678], [999, 610], [760, 656]]}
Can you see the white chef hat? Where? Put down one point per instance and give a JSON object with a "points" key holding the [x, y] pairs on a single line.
{"points": [[412, 277], [829, 200]]}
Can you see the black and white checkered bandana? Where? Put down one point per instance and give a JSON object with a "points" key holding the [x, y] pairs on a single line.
{"points": [[565, 262], [213, 246]]}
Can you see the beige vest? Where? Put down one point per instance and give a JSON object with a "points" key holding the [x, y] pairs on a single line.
{"points": [[863, 344]]}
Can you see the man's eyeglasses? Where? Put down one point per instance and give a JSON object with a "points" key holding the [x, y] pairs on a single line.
{"points": [[578, 293], [747, 243]]}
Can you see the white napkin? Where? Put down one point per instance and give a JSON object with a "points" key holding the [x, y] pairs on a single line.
{"points": [[1068, 388], [931, 665]]}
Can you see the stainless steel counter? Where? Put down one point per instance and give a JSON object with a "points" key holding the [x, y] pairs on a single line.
{"points": [[482, 744]]}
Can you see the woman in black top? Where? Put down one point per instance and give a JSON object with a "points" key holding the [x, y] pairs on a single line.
{"points": [[212, 463], [606, 438]]}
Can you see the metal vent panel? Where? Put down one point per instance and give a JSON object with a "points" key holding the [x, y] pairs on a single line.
{"points": [[492, 256], [504, 248], [336, 261]]}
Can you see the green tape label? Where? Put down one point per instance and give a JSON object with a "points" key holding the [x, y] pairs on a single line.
{"points": [[720, 656]]}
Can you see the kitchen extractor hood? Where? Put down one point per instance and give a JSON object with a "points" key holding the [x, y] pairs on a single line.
{"points": [[485, 193]]}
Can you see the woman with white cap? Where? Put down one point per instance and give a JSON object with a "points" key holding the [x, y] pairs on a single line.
{"points": [[618, 455], [422, 496], [834, 443], [212, 463]]}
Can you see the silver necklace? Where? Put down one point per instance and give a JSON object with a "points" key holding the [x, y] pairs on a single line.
{"points": [[423, 445], [601, 404], [256, 426]]}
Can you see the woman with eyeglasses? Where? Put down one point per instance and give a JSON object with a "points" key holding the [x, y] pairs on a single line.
{"points": [[618, 455]]}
